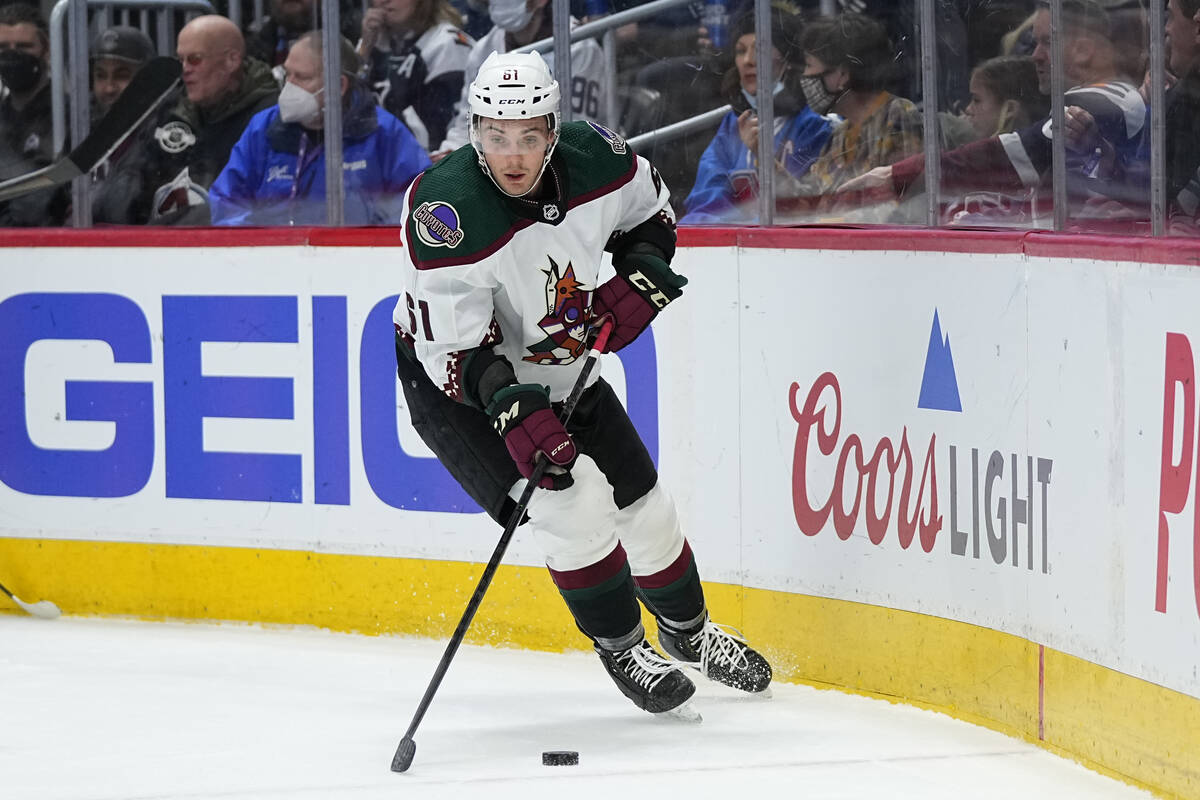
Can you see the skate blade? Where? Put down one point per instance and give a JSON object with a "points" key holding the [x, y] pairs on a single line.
{"points": [[765, 694], [683, 713]]}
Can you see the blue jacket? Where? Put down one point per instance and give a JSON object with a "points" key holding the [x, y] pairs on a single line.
{"points": [[726, 180], [276, 172]]}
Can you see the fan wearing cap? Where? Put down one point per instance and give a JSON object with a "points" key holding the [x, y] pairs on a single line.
{"points": [[117, 53], [500, 281], [276, 172]]}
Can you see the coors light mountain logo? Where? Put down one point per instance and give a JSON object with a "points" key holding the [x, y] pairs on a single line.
{"points": [[893, 483]]}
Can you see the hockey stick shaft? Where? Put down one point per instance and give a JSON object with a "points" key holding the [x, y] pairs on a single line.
{"points": [[44, 608], [149, 87], [408, 748]]}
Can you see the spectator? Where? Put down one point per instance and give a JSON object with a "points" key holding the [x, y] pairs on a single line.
{"points": [[1103, 100], [1182, 156], [848, 61], [1129, 32], [1005, 96], [678, 61], [26, 126], [518, 23], [167, 181], [276, 172], [117, 53], [269, 38], [416, 55], [727, 180]]}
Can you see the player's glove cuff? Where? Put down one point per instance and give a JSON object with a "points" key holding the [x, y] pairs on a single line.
{"points": [[651, 277], [522, 414]]}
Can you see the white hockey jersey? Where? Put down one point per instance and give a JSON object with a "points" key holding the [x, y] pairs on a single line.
{"points": [[483, 269], [588, 92]]}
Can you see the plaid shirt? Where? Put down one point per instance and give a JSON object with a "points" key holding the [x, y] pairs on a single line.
{"points": [[890, 133]]}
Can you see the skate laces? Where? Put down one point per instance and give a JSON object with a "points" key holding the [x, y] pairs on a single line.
{"points": [[644, 665], [722, 645]]}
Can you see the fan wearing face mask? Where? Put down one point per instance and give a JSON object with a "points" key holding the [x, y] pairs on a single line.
{"points": [[518, 23], [847, 66], [416, 53], [726, 187], [276, 171], [26, 142]]}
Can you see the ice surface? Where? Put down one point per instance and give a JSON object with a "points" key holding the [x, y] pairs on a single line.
{"points": [[126, 710]]}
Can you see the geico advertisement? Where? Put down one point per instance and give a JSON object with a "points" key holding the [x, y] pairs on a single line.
{"points": [[243, 397], [949, 434]]}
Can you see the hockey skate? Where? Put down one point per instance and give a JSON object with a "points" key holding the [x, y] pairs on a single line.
{"points": [[720, 654], [652, 682]]}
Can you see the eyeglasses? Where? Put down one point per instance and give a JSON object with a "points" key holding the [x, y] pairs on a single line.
{"points": [[196, 59]]}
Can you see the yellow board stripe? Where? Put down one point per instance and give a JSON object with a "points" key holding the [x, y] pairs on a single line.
{"points": [[1119, 725]]}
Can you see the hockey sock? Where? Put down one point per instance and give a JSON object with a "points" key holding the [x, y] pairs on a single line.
{"points": [[602, 598], [675, 593]]}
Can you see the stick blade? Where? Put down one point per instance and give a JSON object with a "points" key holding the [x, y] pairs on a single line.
{"points": [[404, 755], [149, 87], [43, 609]]}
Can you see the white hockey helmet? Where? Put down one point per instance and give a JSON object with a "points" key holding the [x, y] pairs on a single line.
{"points": [[513, 86]]}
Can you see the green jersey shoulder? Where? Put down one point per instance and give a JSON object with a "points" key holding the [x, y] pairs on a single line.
{"points": [[455, 209], [458, 215], [596, 158]]}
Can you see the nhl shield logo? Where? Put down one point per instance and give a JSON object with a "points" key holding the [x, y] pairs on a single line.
{"points": [[550, 212], [614, 141], [175, 137], [437, 224]]}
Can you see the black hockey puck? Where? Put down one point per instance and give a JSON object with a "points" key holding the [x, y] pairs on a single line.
{"points": [[560, 758]]}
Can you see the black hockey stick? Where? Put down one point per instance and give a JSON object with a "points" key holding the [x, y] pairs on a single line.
{"points": [[408, 748], [43, 608], [157, 78]]}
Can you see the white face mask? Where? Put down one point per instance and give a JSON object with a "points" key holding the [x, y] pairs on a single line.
{"points": [[753, 99], [299, 105], [510, 15]]}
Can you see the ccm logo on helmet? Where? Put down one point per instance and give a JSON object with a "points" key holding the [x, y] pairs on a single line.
{"points": [[512, 101]]}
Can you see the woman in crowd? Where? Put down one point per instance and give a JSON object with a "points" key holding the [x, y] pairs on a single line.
{"points": [[726, 188], [416, 53], [847, 65]]}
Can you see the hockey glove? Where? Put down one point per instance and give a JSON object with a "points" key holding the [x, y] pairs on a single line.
{"points": [[521, 413], [643, 285]]}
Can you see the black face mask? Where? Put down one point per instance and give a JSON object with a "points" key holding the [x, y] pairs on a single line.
{"points": [[20, 71]]}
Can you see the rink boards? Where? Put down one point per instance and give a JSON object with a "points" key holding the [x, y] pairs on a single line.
{"points": [[959, 469]]}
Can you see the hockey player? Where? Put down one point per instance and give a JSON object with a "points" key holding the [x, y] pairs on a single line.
{"points": [[518, 23], [499, 289]]}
